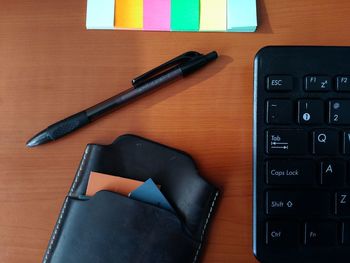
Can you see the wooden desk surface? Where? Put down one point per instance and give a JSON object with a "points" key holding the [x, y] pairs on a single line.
{"points": [[50, 67]]}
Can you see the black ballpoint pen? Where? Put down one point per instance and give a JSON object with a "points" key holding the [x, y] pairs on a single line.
{"points": [[180, 66]]}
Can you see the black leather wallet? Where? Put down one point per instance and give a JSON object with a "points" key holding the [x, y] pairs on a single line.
{"points": [[110, 228]]}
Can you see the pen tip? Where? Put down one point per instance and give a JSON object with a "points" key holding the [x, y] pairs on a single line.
{"points": [[31, 143], [40, 138]]}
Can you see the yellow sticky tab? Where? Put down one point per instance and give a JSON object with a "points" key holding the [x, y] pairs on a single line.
{"points": [[129, 14], [213, 15]]}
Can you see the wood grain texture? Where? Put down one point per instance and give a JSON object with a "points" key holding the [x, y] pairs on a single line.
{"points": [[51, 67]]}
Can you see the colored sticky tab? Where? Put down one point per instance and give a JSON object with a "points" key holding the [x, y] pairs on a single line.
{"points": [[100, 14], [241, 15], [185, 15], [150, 193], [156, 15], [213, 15], [98, 182], [129, 14]]}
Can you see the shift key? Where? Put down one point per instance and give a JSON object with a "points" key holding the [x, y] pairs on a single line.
{"points": [[305, 203], [286, 142]]}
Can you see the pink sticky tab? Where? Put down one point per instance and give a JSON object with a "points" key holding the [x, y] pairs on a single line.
{"points": [[156, 15]]}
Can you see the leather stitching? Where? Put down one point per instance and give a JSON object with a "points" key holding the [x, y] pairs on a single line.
{"points": [[205, 227], [75, 183], [57, 228], [60, 219]]}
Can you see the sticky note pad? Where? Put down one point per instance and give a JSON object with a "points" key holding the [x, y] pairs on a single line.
{"points": [[98, 182], [156, 15], [100, 14], [185, 15], [241, 15], [129, 14], [213, 15], [150, 193]]}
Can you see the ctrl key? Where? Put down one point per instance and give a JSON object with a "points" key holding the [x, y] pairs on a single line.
{"points": [[279, 233]]}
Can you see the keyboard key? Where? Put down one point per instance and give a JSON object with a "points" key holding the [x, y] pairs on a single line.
{"points": [[343, 83], [320, 233], [282, 234], [346, 142], [310, 112], [279, 83], [342, 202], [345, 233], [325, 142], [339, 112], [297, 203], [284, 142], [318, 83], [290, 172], [333, 172], [279, 112]]}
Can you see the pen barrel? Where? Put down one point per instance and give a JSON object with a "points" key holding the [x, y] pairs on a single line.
{"points": [[132, 94], [68, 125]]}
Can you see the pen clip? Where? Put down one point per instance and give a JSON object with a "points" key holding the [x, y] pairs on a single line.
{"points": [[138, 81]]}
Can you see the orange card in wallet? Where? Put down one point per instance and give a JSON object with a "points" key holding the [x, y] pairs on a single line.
{"points": [[120, 185]]}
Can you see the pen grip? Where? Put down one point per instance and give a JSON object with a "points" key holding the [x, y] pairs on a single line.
{"points": [[68, 125]]}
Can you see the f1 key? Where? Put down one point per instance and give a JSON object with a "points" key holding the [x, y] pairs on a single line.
{"points": [[318, 83]]}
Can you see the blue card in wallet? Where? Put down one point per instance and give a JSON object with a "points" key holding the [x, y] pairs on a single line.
{"points": [[149, 193]]}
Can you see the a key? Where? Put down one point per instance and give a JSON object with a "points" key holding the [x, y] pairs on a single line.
{"points": [[339, 112], [281, 233], [318, 83], [325, 142], [290, 172], [310, 112], [279, 112], [286, 142], [332, 172], [279, 83], [297, 203], [320, 233]]}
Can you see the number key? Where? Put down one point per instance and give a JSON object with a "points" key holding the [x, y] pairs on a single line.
{"points": [[310, 111], [339, 112]]}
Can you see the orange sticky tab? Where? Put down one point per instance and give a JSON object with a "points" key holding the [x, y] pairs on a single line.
{"points": [[98, 182]]}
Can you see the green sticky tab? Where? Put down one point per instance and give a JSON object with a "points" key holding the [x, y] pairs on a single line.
{"points": [[185, 15]]}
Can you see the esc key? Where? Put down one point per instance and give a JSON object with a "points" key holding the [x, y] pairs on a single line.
{"points": [[279, 83]]}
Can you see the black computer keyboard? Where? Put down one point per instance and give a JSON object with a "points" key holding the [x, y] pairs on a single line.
{"points": [[302, 155]]}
